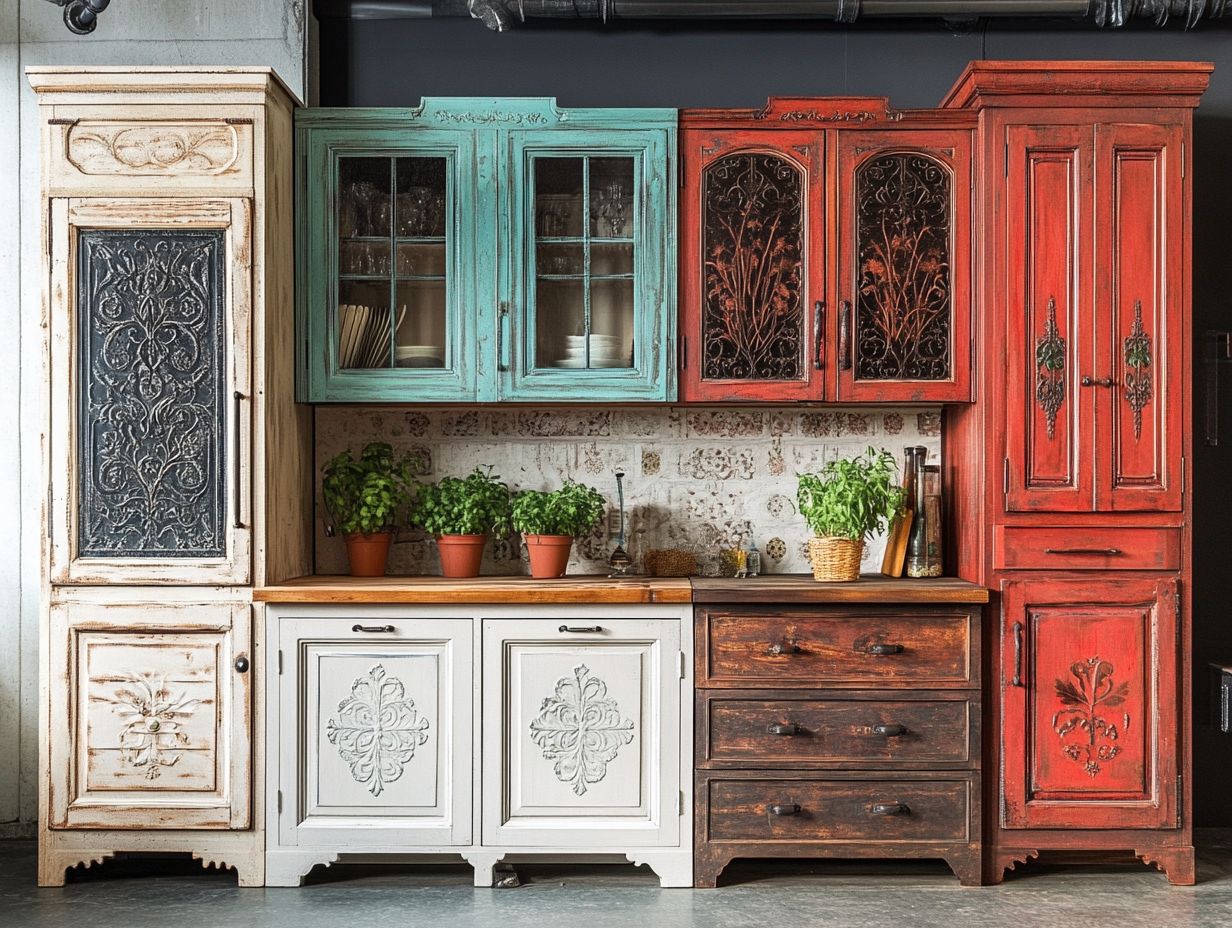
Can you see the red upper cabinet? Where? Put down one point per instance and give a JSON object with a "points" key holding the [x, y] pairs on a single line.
{"points": [[753, 277], [904, 266]]}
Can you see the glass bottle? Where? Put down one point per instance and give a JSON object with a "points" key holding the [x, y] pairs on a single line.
{"points": [[752, 560], [924, 548]]}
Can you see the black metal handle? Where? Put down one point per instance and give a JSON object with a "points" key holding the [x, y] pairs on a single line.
{"points": [[890, 731], [884, 649], [786, 646], [844, 336], [1098, 382], [236, 433], [581, 629], [1017, 681], [787, 808], [890, 808], [1104, 552], [502, 323], [819, 333], [786, 728], [376, 629], [241, 664]]}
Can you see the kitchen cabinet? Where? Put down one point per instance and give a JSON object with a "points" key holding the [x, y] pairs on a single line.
{"points": [[485, 732], [486, 250], [825, 253]]}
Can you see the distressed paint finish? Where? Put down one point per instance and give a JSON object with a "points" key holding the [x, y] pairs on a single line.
{"points": [[491, 145]]}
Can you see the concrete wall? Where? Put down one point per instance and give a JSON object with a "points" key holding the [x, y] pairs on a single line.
{"points": [[130, 32]]}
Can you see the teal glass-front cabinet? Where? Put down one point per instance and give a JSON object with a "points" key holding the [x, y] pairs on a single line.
{"points": [[484, 250]]}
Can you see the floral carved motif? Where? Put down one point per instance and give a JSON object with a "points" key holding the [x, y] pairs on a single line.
{"points": [[1092, 692], [903, 219], [153, 723], [377, 730], [753, 315], [150, 313], [580, 729], [1050, 369], [488, 118], [159, 149], [1138, 376]]}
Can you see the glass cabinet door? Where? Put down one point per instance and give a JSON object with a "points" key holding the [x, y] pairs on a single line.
{"points": [[588, 281], [386, 315]]}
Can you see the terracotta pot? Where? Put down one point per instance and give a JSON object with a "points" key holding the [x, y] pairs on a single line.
{"points": [[549, 555], [368, 554], [461, 555]]}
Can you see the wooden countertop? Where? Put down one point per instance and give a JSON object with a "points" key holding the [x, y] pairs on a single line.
{"points": [[777, 588]]}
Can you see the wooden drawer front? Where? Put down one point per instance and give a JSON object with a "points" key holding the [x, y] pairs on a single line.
{"points": [[802, 810], [854, 731], [854, 648], [1088, 548]]}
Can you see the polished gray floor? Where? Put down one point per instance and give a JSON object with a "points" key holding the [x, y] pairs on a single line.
{"points": [[145, 893]]}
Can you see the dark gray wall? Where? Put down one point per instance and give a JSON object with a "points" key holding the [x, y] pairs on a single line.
{"points": [[395, 63]]}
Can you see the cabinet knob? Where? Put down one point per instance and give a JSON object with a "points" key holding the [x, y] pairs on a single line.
{"points": [[789, 808], [241, 664], [890, 731]]}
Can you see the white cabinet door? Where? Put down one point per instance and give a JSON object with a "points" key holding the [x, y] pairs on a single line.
{"points": [[149, 710], [374, 730], [581, 738]]}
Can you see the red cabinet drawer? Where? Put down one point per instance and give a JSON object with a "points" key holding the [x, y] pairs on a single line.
{"points": [[1087, 548]]}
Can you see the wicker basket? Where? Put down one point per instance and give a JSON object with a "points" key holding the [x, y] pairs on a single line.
{"points": [[835, 559]]}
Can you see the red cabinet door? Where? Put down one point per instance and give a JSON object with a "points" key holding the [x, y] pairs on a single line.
{"points": [[904, 266], [1048, 265], [1139, 365], [753, 276], [1089, 703]]}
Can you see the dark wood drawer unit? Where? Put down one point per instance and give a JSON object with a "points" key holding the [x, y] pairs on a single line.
{"points": [[845, 729]]}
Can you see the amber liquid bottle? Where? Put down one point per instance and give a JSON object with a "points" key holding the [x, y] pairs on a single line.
{"points": [[924, 546]]}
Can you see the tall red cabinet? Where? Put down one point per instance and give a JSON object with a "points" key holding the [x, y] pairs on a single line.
{"points": [[1069, 474]]}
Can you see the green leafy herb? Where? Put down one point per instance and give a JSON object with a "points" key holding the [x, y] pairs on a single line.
{"points": [[851, 498], [573, 510], [367, 495], [477, 504]]}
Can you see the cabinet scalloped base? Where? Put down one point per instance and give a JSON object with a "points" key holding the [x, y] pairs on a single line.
{"points": [[709, 862], [1176, 862], [55, 862]]}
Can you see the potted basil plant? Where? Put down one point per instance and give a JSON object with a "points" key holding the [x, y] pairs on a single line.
{"points": [[846, 502], [549, 521], [365, 498], [461, 512]]}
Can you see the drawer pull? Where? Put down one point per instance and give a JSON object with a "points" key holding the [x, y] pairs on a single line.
{"points": [[1089, 381], [890, 731], [1101, 552], [1017, 681], [890, 808], [375, 629], [581, 629], [787, 646], [885, 649], [791, 808], [241, 664], [788, 728]]}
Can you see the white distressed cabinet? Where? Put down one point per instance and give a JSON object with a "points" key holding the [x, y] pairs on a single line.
{"points": [[486, 733], [172, 449]]}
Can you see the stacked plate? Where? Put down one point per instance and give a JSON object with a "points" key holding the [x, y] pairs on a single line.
{"points": [[419, 356], [605, 351], [364, 333]]}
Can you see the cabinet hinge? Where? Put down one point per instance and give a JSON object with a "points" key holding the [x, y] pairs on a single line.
{"points": [[1005, 476], [682, 353], [680, 802], [1180, 796], [279, 802], [680, 664], [280, 663]]}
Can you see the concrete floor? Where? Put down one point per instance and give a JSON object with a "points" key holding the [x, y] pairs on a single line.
{"points": [[175, 894]]}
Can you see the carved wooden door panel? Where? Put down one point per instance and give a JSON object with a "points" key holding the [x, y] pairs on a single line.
{"points": [[151, 402], [581, 732], [1139, 375], [753, 274], [904, 282], [374, 731], [1089, 704], [1049, 262], [149, 716]]}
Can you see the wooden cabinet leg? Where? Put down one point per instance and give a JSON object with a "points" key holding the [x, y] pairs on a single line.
{"points": [[1004, 859], [54, 864], [706, 869], [1176, 862], [968, 866], [485, 866]]}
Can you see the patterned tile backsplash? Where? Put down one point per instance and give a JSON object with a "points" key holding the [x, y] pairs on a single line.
{"points": [[696, 478]]}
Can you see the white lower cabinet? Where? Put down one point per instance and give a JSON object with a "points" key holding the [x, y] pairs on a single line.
{"points": [[493, 734]]}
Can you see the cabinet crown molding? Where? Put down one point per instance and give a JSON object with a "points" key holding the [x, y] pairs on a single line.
{"points": [[158, 85], [1058, 83]]}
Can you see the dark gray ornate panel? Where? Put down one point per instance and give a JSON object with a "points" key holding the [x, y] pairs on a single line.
{"points": [[152, 373]]}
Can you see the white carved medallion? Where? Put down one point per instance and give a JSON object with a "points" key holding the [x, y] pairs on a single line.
{"points": [[579, 729], [377, 730], [153, 719]]}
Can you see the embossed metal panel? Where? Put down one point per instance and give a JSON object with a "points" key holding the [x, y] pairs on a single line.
{"points": [[151, 410]]}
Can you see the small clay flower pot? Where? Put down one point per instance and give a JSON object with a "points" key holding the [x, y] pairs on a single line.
{"points": [[461, 555], [368, 554], [549, 555]]}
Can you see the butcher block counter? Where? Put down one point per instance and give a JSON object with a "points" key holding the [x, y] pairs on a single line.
{"points": [[779, 588]]}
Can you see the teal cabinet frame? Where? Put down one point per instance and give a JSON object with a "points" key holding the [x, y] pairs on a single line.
{"points": [[489, 146]]}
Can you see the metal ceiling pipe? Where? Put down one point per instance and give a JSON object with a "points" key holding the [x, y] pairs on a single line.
{"points": [[501, 15]]}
